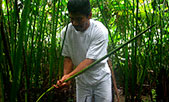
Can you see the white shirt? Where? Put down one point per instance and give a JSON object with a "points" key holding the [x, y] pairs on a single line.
{"points": [[91, 44]]}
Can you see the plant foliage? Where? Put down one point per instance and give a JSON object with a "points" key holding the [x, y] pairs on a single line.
{"points": [[30, 47]]}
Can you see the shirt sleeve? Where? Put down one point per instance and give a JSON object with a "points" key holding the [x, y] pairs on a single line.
{"points": [[98, 46]]}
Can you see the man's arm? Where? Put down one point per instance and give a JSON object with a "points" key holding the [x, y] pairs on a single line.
{"points": [[81, 66], [67, 70], [68, 65]]}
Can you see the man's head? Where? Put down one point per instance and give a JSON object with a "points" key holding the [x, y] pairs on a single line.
{"points": [[80, 13], [79, 6]]}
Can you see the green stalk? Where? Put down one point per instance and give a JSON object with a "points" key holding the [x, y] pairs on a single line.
{"points": [[105, 20], [32, 48], [26, 88], [61, 58], [27, 66], [134, 51], [1, 77], [35, 44], [4, 36], [45, 93], [132, 56], [18, 61], [11, 29], [44, 46], [28, 55], [1, 87], [144, 73], [53, 43], [98, 61], [40, 43], [6, 65], [126, 70]]}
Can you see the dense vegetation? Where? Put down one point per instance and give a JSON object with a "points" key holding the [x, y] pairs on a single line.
{"points": [[30, 48]]}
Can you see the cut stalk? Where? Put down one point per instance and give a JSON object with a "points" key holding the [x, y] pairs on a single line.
{"points": [[97, 61], [110, 53], [45, 93]]}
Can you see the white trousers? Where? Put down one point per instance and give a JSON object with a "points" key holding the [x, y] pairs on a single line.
{"points": [[101, 92]]}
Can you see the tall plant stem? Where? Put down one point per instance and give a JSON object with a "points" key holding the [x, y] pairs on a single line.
{"points": [[98, 61], [7, 52], [105, 20], [18, 61], [126, 69], [134, 51], [53, 42]]}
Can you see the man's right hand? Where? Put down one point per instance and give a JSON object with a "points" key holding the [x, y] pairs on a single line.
{"points": [[61, 84]]}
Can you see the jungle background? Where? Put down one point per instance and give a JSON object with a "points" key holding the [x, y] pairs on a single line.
{"points": [[30, 48]]}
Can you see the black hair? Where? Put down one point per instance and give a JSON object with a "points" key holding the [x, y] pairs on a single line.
{"points": [[79, 6]]}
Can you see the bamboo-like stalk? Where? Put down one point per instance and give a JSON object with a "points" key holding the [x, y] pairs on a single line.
{"points": [[126, 71], [143, 64], [98, 61], [1, 87], [134, 51], [5, 42], [40, 43], [5, 67], [14, 27], [133, 58], [161, 81], [142, 78], [1, 77], [28, 55], [12, 33], [43, 47], [105, 20], [18, 63], [61, 58], [53, 42], [26, 88], [32, 45]]}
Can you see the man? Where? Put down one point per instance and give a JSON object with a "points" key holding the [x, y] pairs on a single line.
{"points": [[86, 41]]}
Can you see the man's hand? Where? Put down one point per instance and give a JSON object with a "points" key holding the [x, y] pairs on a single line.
{"points": [[61, 84]]}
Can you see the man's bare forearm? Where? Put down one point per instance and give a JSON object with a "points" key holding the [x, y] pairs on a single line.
{"points": [[81, 66], [68, 65]]}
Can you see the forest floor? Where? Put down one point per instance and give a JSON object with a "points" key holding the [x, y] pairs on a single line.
{"points": [[122, 97]]}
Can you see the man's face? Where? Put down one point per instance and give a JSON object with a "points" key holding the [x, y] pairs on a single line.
{"points": [[80, 21]]}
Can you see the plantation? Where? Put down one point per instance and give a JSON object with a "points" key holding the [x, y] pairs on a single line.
{"points": [[31, 47]]}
